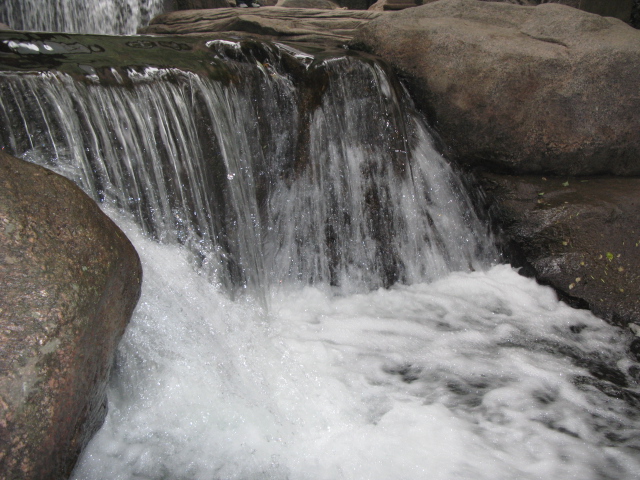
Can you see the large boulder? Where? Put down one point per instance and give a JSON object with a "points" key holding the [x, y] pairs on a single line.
{"points": [[293, 24], [70, 281], [519, 89], [581, 236]]}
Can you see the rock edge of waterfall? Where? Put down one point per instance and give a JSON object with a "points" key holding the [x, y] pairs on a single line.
{"points": [[71, 280]]}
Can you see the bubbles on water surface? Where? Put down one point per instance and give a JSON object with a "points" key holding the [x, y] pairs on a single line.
{"points": [[478, 375]]}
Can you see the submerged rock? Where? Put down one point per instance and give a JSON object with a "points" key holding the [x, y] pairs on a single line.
{"points": [[580, 236], [546, 89], [70, 281]]}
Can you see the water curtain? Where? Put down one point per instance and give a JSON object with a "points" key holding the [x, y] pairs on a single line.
{"points": [[109, 17], [285, 169]]}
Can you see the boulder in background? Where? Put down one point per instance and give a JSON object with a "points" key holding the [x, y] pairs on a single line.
{"points": [[547, 89]]}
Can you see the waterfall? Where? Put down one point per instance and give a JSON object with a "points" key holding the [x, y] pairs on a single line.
{"points": [[110, 17], [335, 182], [319, 300]]}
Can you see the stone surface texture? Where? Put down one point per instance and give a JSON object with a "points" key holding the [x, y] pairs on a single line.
{"points": [[581, 236], [70, 281], [318, 4], [621, 9], [293, 24], [547, 89]]}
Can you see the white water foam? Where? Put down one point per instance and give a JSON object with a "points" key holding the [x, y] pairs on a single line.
{"points": [[474, 376]]}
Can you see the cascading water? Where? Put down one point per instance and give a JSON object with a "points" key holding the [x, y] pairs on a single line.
{"points": [[110, 17], [236, 172], [373, 340]]}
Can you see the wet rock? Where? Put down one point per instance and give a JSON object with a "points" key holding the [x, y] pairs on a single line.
{"points": [[293, 24], [581, 236], [70, 281], [546, 89]]}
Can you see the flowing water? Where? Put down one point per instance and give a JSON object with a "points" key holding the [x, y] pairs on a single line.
{"points": [[109, 17], [320, 300]]}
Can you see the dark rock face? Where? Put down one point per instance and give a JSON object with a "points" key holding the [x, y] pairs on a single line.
{"points": [[609, 8], [384, 5], [547, 89], [199, 4], [70, 281], [581, 236], [528, 3]]}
